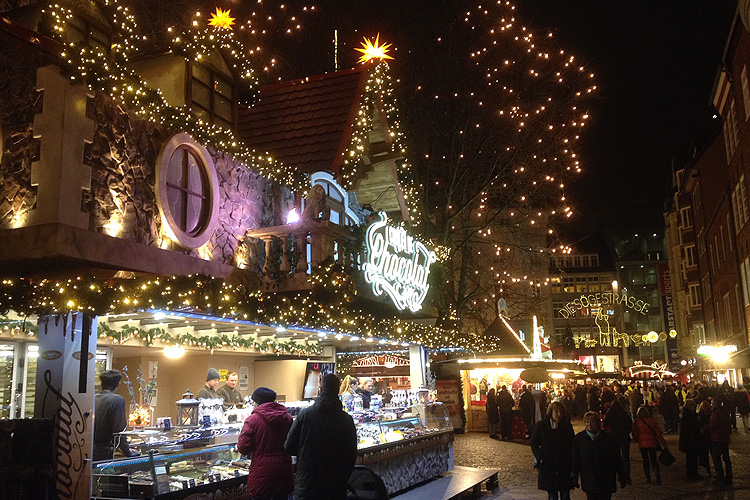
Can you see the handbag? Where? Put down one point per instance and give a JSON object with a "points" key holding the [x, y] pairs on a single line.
{"points": [[666, 458]]}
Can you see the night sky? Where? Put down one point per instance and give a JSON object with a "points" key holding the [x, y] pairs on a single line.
{"points": [[655, 64]]}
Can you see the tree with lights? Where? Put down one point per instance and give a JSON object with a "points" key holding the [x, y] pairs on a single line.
{"points": [[495, 113]]}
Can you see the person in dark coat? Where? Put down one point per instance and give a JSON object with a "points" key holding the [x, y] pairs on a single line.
{"points": [[110, 417], [704, 420], [690, 439], [271, 474], [669, 407], [505, 405], [580, 399], [727, 394], [551, 443], [324, 439], [720, 427], [493, 416], [742, 402], [528, 408], [596, 460], [592, 399], [619, 423]]}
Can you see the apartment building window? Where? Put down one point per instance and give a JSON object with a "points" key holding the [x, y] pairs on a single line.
{"points": [[569, 284], [745, 276], [694, 294], [701, 239], [556, 285], [586, 261], [594, 284], [730, 131], [606, 283], [737, 298], [700, 334], [557, 307], [745, 92], [581, 283], [686, 217], [723, 244], [706, 288], [739, 204], [568, 261], [727, 305], [576, 261], [729, 234], [689, 257], [594, 261]]}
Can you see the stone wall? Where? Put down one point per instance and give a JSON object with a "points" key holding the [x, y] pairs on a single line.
{"points": [[121, 201], [19, 102]]}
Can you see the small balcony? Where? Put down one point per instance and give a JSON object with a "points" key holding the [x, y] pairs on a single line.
{"points": [[284, 256]]}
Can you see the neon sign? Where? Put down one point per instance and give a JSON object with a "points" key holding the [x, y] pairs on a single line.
{"points": [[397, 264]]}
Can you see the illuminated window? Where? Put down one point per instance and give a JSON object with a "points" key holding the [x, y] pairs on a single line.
{"points": [[569, 284], [594, 284], [556, 285], [212, 96], [700, 334], [187, 190]]}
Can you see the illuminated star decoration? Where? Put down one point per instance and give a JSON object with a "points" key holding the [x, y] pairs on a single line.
{"points": [[373, 50], [221, 19]]}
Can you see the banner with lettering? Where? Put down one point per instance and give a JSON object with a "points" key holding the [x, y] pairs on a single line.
{"points": [[65, 392], [667, 309]]}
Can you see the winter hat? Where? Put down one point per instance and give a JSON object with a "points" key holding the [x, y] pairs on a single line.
{"points": [[263, 395], [330, 384], [213, 373]]}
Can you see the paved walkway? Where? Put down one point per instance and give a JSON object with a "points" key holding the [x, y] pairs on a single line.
{"points": [[517, 478]]}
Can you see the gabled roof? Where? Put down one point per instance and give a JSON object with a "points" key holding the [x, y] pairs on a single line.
{"points": [[510, 344], [305, 123]]}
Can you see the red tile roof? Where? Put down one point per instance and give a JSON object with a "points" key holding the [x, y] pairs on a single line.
{"points": [[305, 123]]}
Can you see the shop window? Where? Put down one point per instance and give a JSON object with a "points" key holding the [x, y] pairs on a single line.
{"points": [[212, 96], [187, 190]]}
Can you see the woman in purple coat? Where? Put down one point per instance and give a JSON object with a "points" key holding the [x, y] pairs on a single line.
{"points": [[271, 475]]}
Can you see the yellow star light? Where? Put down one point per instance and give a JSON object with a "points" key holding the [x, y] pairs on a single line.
{"points": [[373, 50], [221, 19]]}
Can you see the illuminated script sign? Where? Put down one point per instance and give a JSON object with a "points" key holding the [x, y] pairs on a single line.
{"points": [[397, 264]]}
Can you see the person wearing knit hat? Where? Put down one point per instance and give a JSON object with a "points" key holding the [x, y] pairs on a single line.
{"points": [[208, 391], [271, 474], [324, 439], [263, 395]]}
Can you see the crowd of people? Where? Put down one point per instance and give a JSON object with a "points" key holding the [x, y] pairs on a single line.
{"points": [[613, 413]]}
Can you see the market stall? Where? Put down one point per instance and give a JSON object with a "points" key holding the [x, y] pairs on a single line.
{"points": [[403, 445]]}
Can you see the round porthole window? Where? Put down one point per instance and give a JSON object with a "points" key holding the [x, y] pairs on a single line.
{"points": [[187, 190]]}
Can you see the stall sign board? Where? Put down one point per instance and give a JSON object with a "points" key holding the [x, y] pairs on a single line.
{"points": [[447, 393], [397, 264]]}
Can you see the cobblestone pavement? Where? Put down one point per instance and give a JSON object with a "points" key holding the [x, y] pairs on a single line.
{"points": [[517, 478]]}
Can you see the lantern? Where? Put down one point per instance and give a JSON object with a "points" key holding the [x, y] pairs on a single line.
{"points": [[187, 410]]}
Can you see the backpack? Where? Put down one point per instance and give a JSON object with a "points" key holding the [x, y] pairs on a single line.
{"points": [[364, 484]]}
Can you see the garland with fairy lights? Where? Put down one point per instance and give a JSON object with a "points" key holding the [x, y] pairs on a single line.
{"points": [[218, 298], [151, 335]]}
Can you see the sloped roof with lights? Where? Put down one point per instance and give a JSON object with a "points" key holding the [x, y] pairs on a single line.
{"points": [[508, 344], [305, 123]]}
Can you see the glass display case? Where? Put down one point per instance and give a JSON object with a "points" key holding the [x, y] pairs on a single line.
{"points": [[427, 419], [407, 450], [175, 464]]}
